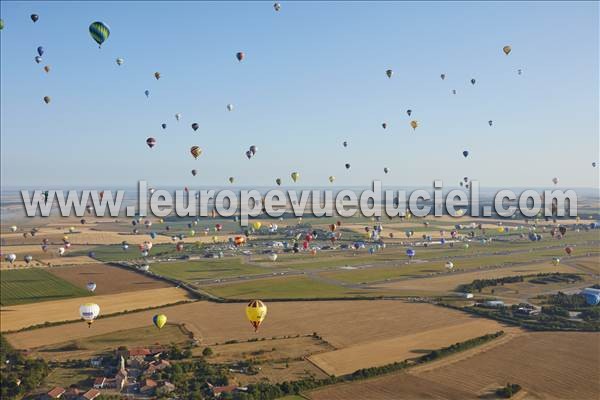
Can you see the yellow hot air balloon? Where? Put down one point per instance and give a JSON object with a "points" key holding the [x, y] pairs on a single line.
{"points": [[159, 320], [256, 225], [506, 50], [414, 124], [89, 312], [295, 176], [256, 311], [215, 239], [331, 178], [556, 261], [500, 229]]}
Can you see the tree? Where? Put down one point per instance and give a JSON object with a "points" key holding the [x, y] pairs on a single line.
{"points": [[207, 352]]}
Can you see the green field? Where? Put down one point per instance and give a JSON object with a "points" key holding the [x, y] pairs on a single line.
{"points": [[34, 285], [285, 288], [206, 269]]}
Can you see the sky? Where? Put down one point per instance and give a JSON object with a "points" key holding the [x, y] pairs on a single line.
{"points": [[313, 77]]}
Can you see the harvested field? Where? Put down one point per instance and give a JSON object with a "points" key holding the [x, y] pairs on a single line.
{"points": [[267, 350], [340, 323], [109, 279], [378, 353], [95, 345], [280, 372], [549, 365], [449, 282], [21, 316]]}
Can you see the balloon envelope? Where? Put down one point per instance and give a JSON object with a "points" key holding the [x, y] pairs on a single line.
{"points": [[159, 320]]}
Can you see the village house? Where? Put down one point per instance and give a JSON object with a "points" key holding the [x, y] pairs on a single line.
{"points": [[90, 394], [147, 387], [157, 365], [55, 393]]}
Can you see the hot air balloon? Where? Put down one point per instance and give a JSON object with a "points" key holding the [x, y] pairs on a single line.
{"points": [[119, 61], [453, 91], [409, 112], [229, 107], [345, 144], [157, 75], [520, 72], [256, 225], [594, 164], [100, 32], [195, 151], [178, 116], [13, 228], [61, 251], [159, 320], [295, 176], [46, 99], [253, 149], [195, 126], [38, 59], [147, 93], [40, 51], [194, 172], [34, 17], [449, 265], [248, 154], [410, 253], [11, 257], [568, 250], [89, 312], [273, 257], [384, 125], [277, 6], [151, 142], [347, 165], [490, 122], [240, 56], [389, 73], [331, 179], [47, 68], [555, 261], [443, 76], [465, 153], [555, 180], [473, 81], [506, 50], [28, 259], [278, 181], [256, 312], [414, 124], [591, 299], [164, 126], [91, 286]]}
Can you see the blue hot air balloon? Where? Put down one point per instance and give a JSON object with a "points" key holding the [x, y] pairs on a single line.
{"points": [[592, 299], [410, 253], [465, 153], [147, 93], [40, 51], [153, 235]]}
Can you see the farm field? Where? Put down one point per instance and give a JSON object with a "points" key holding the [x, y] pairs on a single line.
{"points": [[267, 350], [449, 282], [552, 365], [107, 343], [387, 351], [25, 315], [206, 269], [109, 279], [335, 321], [35, 285]]}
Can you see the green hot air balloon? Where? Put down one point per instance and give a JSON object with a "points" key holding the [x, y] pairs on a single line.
{"points": [[99, 32]]}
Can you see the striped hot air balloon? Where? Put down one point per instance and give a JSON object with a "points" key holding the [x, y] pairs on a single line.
{"points": [[100, 32], [196, 151]]}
